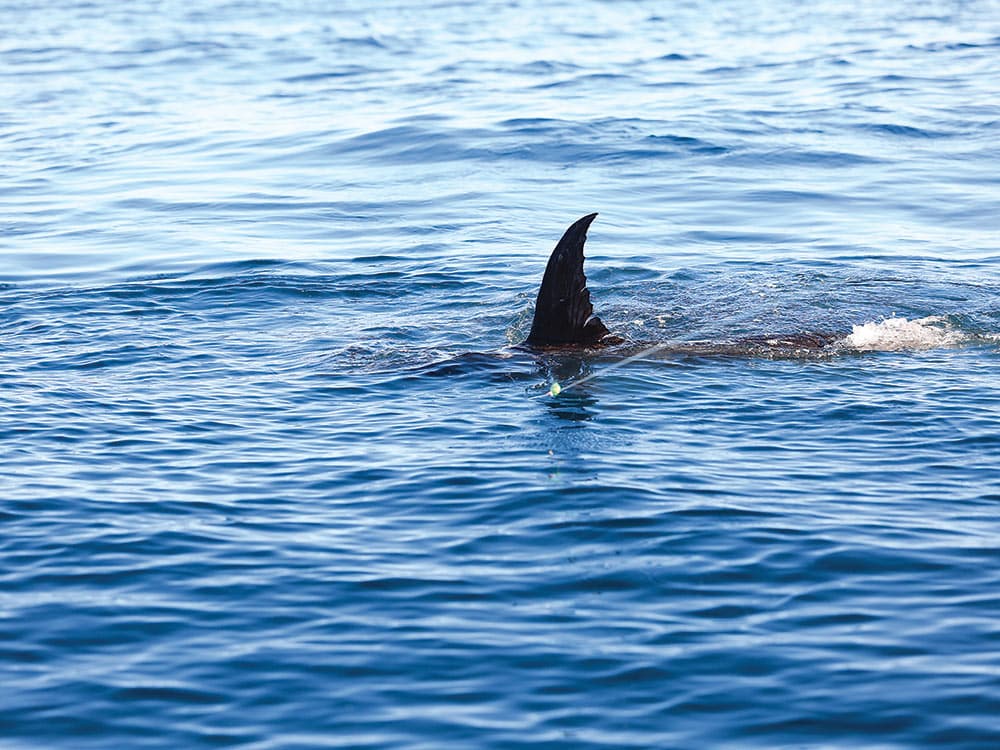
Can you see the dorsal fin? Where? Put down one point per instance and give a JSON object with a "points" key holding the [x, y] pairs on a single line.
{"points": [[563, 312]]}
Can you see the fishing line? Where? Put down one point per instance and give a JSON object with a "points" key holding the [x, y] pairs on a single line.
{"points": [[556, 388]]}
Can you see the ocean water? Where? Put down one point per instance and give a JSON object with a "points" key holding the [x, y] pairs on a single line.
{"points": [[273, 475]]}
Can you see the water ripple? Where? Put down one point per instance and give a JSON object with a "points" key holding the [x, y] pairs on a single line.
{"points": [[274, 475]]}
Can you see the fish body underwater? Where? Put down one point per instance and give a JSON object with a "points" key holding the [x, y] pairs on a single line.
{"points": [[564, 321]]}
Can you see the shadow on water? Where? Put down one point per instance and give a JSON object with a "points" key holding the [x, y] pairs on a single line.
{"points": [[510, 366], [575, 405]]}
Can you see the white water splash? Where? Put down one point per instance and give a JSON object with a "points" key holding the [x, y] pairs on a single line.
{"points": [[899, 334]]}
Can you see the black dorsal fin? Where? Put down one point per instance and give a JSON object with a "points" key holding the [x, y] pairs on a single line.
{"points": [[563, 312]]}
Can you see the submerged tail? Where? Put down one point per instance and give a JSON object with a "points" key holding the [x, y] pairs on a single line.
{"points": [[563, 313]]}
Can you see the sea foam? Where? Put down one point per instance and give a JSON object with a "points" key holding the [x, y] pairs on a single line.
{"points": [[899, 334]]}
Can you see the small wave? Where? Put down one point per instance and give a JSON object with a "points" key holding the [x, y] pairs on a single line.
{"points": [[904, 131], [899, 334]]}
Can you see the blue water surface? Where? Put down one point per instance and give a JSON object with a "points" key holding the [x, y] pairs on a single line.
{"points": [[273, 476]]}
